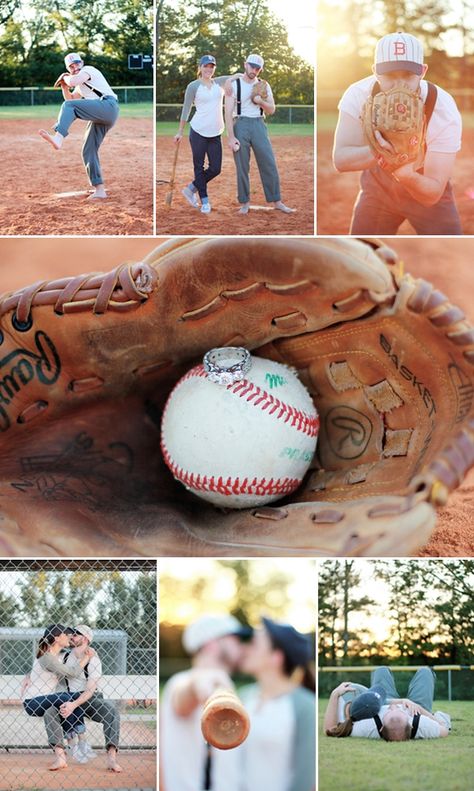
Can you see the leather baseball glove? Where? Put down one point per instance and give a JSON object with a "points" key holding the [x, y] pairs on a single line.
{"points": [[87, 363], [61, 81], [259, 89], [398, 117]]}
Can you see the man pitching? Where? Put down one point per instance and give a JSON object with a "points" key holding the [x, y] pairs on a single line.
{"points": [[246, 130], [420, 191], [88, 96]]}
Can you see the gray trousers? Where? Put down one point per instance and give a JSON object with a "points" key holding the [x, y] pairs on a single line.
{"points": [[252, 135], [102, 115], [420, 689], [96, 709]]}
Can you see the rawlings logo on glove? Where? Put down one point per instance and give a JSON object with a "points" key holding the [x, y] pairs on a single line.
{"points": [[394, 125]]}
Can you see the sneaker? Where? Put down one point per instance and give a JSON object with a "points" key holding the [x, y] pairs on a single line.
{"points": [[190, 197], [86, 750], [206, 208], [77, 755]]}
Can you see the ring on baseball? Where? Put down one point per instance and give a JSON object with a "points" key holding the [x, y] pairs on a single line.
{"points": [[239, 431]]}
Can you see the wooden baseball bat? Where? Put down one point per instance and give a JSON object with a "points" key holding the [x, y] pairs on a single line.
{"points": [[224, 722], [169, 196]]}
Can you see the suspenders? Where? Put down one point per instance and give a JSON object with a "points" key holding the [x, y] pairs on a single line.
{"points": [[239, 98], [86, 668], [94, 90], [414, 725]]}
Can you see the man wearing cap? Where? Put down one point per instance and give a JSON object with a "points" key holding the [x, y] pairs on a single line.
{"points": [[96, 708], [88, 96], [279, 752], [246, 130], [420, 192], [380, 713], [186, 763]]}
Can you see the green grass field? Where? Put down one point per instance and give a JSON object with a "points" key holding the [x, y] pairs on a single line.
{"points": [[326, 121], [373, 765], [133, 110], [169, 129]]}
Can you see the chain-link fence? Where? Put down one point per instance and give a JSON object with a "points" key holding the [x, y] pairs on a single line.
{"points": [[78, 642]]}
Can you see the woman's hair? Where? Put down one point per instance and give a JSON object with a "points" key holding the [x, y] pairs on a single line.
{"points": [[44, 644], [341, 729], [306, 676]]}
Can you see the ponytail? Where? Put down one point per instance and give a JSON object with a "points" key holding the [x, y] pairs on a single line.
{"points": [[341, 730]]}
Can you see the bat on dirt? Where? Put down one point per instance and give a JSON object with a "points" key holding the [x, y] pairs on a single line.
{"points": [[224, 722], [169, 196]]}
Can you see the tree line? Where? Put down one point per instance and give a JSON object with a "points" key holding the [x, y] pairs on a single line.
{"points": [[230, 30], [34, 38]]}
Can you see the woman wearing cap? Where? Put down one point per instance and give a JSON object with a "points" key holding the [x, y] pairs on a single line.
{"points": [[279, 752], [39, 694], [206, 94], [88, 96]]}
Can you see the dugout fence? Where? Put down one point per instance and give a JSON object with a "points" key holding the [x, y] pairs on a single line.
{"points": [[285, 113], [117, 601], [32, 96], [448, 687]]}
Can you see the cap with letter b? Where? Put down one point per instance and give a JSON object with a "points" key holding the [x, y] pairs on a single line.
{"points": [[398, 51]]}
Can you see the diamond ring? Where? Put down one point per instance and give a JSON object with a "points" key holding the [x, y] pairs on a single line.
{"points": [[227, 364]]}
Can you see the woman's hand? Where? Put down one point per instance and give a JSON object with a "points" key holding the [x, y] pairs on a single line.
{"points": [[346, 686], [67, 708], [178, 137]]}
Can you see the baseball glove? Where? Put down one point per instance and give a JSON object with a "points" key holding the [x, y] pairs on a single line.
{"points": [[259, 89], [87, 363], [398, 115], [60, 81]]}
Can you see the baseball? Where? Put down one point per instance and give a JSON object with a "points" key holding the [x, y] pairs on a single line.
{"points": [[239, 431], [236, 145]]}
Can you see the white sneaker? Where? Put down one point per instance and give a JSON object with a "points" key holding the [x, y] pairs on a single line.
{"points": [[86, 750], [190, 197], [77, 755], [206, 208]]}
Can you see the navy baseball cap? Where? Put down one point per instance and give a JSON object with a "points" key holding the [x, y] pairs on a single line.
{"points": [[368, 704], [54, 630], [206, 59], [296, 646]]}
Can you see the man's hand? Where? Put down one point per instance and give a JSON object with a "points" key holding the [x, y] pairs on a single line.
{"points": [[382, 142], [61, 81], [233, 143], [67, 708], [205, 682], [24, 685], [411, 707], [257, 99]]}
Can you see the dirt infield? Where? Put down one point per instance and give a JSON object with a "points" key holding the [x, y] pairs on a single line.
{"points": [[33, 175], [337, 191], [29, 770], [446, 262], [294, 157]]}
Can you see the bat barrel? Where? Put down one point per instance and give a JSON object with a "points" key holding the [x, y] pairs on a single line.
{"points": [[224, 722]]}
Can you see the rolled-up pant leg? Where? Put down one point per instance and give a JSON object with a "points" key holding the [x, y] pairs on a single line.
{"points": [[52, 723], [106, 713]]}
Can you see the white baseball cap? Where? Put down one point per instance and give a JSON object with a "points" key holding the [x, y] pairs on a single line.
{"points": [[85, 631], [255, 60], [72, 57], [208, 628], [398, 51]]}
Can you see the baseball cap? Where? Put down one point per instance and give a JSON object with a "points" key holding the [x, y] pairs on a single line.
{"points": [[211, 627], [85, 631], [398, 51], [72, 57], [54, 630], [368, 704], [206, 59], [255, 60], [295, 646]]}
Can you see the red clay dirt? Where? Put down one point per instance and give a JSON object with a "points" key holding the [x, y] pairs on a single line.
{"points": [[337, 191], [24, 770], [33, 174], [294, 156], [446, 262]]}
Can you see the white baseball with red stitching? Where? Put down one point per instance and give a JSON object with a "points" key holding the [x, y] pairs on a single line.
{"points": [[243, 444]]}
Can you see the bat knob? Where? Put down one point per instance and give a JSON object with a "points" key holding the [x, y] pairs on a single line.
{"points": [[224, 722]]}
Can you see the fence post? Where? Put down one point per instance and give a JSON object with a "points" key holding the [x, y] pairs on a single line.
{"points": [[126, 96], [449, 685], [32, 97]]}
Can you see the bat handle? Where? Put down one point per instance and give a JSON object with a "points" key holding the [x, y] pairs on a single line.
{"points": [[224, 721]]}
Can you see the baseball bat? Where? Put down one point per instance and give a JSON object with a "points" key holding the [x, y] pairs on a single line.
{"points": [[169, 196], [224, 722]]}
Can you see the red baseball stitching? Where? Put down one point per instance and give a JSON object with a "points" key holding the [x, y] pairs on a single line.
{"points": [[230, 486], [265, 401]]}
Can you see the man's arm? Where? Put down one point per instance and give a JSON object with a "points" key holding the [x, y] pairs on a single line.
{"points": [[267, 105], [351, 150], [427, 187], [229, 120], [77, 79]]}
